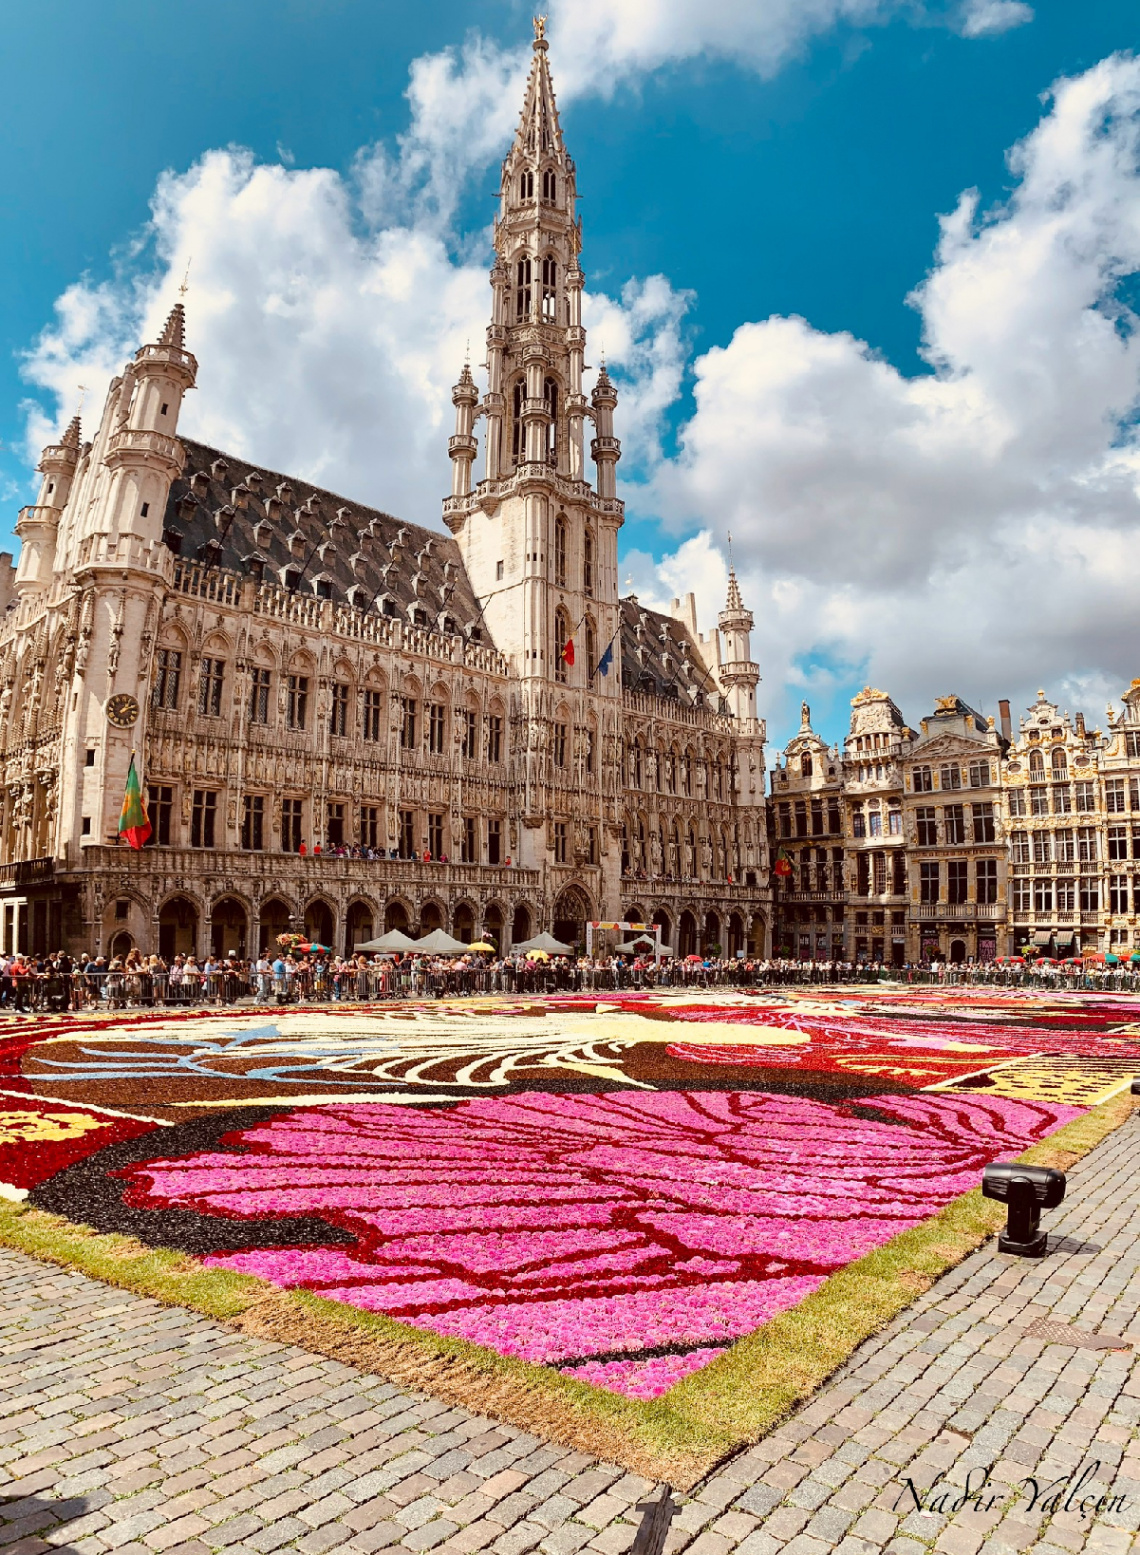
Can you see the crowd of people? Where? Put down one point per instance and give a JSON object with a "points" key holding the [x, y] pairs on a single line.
{"points": [[61, 982]]}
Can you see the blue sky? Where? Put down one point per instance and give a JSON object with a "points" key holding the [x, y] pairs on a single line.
{"points": [[807, 186]]}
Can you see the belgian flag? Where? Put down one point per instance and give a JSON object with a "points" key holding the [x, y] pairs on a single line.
{"points": [[134, 823], [783, 867]]}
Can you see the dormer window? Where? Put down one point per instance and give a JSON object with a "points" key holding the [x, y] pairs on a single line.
{"points": [[805, 764], [324, 588], [526, 185], [292, 578], [522, 288], [549, 184]]}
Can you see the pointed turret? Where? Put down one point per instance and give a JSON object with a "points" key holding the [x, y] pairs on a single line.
{"points": [[739, 675], [605, 448], [461, 447], [143, 453], [38, 526]]}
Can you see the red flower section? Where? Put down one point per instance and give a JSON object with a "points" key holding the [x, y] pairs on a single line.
{"points": [[40, 1138]]}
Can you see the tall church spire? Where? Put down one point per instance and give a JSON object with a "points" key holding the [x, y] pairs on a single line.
{"points": [[539, 132]]}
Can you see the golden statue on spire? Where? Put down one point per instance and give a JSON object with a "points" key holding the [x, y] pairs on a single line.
{"points": [[539, 28]]}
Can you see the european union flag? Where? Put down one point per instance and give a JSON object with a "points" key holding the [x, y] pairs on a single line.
{"points": [[605, 663]]}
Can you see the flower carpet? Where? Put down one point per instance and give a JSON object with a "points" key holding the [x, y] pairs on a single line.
{"points": [[616, 1189]]}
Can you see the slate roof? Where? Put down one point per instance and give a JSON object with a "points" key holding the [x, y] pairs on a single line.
{"points": [[226, 512], [659, 656]]}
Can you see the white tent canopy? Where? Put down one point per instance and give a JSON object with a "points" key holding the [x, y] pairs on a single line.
{"points": [[547, 942], [440, 943], [393, 940]]}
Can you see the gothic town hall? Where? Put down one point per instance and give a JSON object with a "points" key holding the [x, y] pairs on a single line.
{"points": [[471, 726]]}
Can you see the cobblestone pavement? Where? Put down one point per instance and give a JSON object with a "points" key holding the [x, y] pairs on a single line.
{"points": [[139, 1429]]}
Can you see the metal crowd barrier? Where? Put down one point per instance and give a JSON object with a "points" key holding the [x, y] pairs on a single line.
{"points": [[81, 990]]}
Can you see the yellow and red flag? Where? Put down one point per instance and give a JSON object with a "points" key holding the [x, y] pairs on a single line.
{"points": [[134, 823]]}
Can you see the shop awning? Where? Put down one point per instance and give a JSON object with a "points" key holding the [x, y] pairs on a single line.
{"points": [[1042, 936], [1064, 941]]}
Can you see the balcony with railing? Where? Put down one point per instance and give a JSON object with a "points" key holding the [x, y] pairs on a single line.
{"points": [[26, 871], [961, 912], [308, 872]]}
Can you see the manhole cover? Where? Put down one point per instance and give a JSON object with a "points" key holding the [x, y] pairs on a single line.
{"points": [[1079, 1338]]}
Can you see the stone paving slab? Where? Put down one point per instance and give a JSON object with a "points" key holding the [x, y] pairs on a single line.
{"points": [[130, 1427]]}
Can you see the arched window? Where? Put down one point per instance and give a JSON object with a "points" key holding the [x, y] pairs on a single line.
{"points": [[517, 448], [549, 289], [561, 637], [1036, 765], [522, 288], [1060, 763], [587, 563], [550, 395], [635, 764], [526, 185], [805, 764], [590, 643], [549, 184], [560, 551]]}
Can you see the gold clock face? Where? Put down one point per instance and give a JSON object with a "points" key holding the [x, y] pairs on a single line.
{"points": [[122, 711]]}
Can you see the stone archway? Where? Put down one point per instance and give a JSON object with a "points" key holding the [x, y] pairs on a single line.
{"points": [[712, 931], [735, 933], [357, 926], [571, 912], [229, 926], [957, 951], [662, 918], [319, 922], [272, 920], [177, 929], [492, 929], [431, 918], [395, 917], [520, 926], [757, 934], [122, 944], [463, 923], [686, 934]]}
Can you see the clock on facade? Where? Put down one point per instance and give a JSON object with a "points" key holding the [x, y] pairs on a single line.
{"points": [[122, 711]]}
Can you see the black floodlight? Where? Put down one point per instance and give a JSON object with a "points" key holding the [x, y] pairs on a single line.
{"points": [[1027, 1190]]}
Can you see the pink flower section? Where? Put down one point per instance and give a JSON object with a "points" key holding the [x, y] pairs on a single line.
{"points": [[643, 1379], [588, 1229], [638, 1320]]}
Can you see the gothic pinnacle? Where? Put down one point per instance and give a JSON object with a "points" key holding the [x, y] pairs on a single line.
{"points": [[174, 330]]}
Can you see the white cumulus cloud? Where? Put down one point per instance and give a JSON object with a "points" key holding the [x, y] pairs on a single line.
{"points": [[977, 527], [987, 18]]}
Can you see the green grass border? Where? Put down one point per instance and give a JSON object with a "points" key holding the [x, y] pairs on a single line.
{"points": [[679, 1437]]}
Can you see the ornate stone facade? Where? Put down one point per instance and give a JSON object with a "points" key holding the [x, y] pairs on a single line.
{"points": [[517, 747], [963, 840]]}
